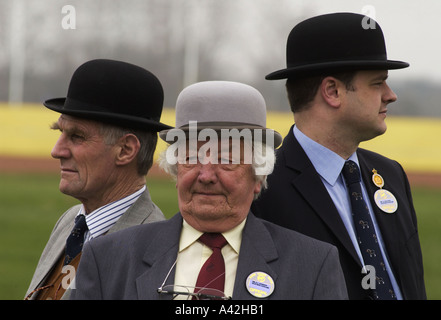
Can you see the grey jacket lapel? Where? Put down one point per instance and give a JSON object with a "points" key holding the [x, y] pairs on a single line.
{"points": [[141, 212], [257, 251], [161, 253], [55, 246]]}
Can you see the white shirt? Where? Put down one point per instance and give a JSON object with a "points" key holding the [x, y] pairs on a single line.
{"points": [[193, 254]]}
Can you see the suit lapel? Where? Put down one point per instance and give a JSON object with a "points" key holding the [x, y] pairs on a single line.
{"points": [[307, 182], [388, 228], [161, 253], [55, 247], [257, 251], [143, 209]]}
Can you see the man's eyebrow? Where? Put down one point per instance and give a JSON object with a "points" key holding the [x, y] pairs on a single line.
{"points": [[55, 126], [382, 76]]}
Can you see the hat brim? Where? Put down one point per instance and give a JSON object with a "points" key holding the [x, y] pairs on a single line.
{"points": [[319, 68], [218, 127], [120, 120]]}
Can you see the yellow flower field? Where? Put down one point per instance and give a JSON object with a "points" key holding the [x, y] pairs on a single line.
{"points": [[414, 142]]}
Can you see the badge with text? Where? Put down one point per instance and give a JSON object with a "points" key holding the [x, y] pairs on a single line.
{"points": [[384, 199], [260, 284]]}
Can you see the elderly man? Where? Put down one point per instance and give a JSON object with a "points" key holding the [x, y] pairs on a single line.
{"points": [[108, 123], [324, 185], [214, 247]]}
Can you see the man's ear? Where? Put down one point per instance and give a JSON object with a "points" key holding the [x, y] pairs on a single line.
{"points": [[331, 90], [257, 187], [128, 148]]}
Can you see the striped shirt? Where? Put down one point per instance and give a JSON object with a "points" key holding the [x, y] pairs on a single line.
{"points": [[102, 219]]}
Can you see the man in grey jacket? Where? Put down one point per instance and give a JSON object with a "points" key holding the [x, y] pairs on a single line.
{"points": [[214, 248], [108, 123]]}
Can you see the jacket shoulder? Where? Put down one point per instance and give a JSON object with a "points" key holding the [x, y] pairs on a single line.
{"points": [[374, 156], [299, 241]]}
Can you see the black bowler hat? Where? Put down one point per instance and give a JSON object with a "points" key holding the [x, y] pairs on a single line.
{"points": [[114, 92], [336, 41]]}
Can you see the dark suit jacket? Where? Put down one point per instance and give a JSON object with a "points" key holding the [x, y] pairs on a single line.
{"points": [[297, 199], [133, 263]]}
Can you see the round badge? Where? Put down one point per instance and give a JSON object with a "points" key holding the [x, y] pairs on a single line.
{"points": [[260, 284], [386, 201]]}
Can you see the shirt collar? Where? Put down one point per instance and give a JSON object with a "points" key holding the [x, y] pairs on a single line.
{"points": [[189, 235], [327, 163], [102, 219]]}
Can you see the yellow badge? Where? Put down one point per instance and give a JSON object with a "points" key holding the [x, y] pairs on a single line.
{"points": [[377, 179], [384, 199], [260, 284]]}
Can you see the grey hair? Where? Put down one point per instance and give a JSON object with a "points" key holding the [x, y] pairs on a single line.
{"points": [[147, 140], [263, 160]]}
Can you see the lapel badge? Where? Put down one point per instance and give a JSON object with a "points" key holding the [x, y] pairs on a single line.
{"points": [[377, 179], [260, 284], [384, 199]]}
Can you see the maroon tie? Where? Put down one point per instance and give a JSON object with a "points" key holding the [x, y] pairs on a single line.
{"points": [[212, 274]]}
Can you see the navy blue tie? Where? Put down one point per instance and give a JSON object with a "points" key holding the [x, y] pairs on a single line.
{"points": [[74, 243], [366, 234]]}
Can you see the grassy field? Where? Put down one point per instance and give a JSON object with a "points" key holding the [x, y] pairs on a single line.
{"points": [[30, 204]]}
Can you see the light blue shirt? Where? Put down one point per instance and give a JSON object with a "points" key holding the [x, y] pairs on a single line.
{"points": [[329, 165]]}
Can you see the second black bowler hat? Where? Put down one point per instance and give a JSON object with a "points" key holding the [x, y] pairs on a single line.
{"points": [[336, 41], [114, 92]]}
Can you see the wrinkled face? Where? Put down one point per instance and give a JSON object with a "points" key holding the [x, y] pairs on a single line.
{"points": [[86, 161], [366, 106], [215, 197]]}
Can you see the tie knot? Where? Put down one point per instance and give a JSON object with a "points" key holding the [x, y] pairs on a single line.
{"points": [[213, 240], [351, 172], [80, 222]]}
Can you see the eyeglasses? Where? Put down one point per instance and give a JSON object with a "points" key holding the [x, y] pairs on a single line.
{"points": [[189, 292]]}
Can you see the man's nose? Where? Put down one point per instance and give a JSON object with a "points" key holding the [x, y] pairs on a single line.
{"points": [[60, 149], [390, 95], [208, 173]]}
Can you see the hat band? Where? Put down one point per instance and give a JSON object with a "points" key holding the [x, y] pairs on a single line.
{"points": [[76, 105], [361, 59], [80, 106], [220, 125]]}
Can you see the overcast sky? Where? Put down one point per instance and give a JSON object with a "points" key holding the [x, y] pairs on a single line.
{"points": [[243, 41], [412, 29]]}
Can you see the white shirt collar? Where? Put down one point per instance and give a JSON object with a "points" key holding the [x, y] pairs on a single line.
{"points": [[189, 235], [102, 219]]}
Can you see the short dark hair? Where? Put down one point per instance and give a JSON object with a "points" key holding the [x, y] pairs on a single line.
{"points": [[303, 90]]}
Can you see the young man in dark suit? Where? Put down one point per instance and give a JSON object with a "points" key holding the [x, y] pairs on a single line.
{"points": [[337, 71]]}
